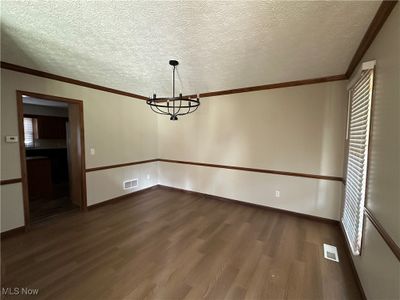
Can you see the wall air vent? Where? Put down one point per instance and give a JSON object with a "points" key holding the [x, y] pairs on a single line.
{"points": [[129, 184], [330, 252]]}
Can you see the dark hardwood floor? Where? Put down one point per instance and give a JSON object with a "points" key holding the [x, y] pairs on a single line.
{"points": [[42, 209], [166, 244]]}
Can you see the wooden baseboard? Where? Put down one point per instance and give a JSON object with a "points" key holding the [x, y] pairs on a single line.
{"points": [[353, 267], [160, 186], [238, 202], [12, 232], [119, 198], [311, 217]]}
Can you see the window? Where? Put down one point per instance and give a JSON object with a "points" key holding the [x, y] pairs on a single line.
{"points": [[357, 162], [30, 130]]}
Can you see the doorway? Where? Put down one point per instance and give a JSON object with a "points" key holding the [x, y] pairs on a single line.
{"points": [[52, 155]]}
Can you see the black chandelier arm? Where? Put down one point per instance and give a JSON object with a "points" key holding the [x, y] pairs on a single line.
{"points": [[168, 107], [158, 100], [195, 104], [197, 101], [158, 111], [189, 111], [156, 108], [162, 112], [180, 106], [185, 113], [194, 109], [152, 106], [166, 99], [183, 106]]}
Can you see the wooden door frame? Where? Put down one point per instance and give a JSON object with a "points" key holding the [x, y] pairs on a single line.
{"points": [[24, 174]]}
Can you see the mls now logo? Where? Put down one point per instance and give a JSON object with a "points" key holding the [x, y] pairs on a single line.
{"points": [[19, 291]]}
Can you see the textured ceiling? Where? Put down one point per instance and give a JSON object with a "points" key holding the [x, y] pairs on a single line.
{"points": [[220, 45]]}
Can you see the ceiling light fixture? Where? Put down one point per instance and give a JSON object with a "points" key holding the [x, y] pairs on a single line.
{"points": [[174, 106]]}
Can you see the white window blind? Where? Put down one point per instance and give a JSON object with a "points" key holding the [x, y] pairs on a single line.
{"points": [[28, 131], [357, 162]]}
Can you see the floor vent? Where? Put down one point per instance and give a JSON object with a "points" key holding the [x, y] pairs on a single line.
{"points": [[330, 252], [128, 184]]}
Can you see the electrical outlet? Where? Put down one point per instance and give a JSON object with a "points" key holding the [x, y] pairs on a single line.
{"points": [[148, 176], [277, 194], [92, 151]]}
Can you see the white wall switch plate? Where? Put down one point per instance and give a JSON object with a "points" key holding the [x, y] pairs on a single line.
{"points": [[277, 194], [92, 151], [11, 139]]}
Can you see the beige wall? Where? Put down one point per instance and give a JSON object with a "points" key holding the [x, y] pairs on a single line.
{"points": [[12, 210], [106, 184], [378, 268], [303, 195], [296, 129], [272, 131], [119, 128]]}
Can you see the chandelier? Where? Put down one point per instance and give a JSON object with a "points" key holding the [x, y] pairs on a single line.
{"points": [[174, 106]]}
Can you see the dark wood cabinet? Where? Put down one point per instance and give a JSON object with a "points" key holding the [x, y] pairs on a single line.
{"points": [[51, 127], [39, 177]]}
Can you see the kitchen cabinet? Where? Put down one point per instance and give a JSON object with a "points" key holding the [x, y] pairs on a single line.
{"points": [[39, 177], [51, 127], [59, 161]]}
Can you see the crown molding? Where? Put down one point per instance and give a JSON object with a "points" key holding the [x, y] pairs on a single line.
{"points": [[274, 86], [21, 69], [377, 22]]}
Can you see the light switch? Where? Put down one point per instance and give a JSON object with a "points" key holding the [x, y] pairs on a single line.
{"points": [[92, 151], [11, 139]]}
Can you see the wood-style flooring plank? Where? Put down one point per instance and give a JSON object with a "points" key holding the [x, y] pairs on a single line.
{"points": [[166, 244]]}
